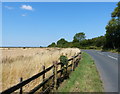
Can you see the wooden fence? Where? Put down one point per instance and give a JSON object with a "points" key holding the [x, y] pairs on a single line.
{"points": [[54, 77]]}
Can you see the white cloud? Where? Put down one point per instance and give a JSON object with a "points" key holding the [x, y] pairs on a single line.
{"points": [[26, 7], [8, 7]]}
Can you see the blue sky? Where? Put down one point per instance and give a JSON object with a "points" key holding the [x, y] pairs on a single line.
{"points": [[41, 23], [0, 23]]}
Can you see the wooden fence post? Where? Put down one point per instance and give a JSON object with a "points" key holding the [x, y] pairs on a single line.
{"points": [[55, 75], [66, 54], [43, 77], [80, 56], [73, 64], [67, 64], [61, 67], [21, 79], [78, 59]]}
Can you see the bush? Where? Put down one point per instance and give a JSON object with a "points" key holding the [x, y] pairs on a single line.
{"points": [[64, 60]]}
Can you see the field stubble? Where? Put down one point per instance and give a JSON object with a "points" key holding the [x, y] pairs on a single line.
{"points": [[19, 62]]}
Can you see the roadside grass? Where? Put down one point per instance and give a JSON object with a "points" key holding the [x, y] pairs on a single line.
{"points": [[85, 78], [101, 49], [112, 50]]}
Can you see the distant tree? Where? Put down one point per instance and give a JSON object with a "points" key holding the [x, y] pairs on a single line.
{"points": [[86, 42], [62, 43], [94, 42], [52, 45], [100, 41], [79, 37], [24, 47], [76, 44], [70, 44]]}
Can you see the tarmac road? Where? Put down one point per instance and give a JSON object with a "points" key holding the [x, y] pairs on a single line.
{"points": [[107, 65]]}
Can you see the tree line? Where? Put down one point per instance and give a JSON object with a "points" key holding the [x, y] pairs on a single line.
{"points": [[80, 41], [111, 40]]}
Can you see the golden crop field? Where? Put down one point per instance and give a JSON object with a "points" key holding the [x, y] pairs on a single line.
{"points": [[19, 62]]}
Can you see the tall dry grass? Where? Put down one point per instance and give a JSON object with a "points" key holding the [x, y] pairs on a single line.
{"points": [[18, 62]]}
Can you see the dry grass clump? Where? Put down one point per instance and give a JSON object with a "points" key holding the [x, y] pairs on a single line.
{"points": [[25, 63]]}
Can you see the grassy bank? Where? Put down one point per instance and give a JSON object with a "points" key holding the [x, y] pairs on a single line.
{"points": [[111, 50], [85, 78], [104, 50]]}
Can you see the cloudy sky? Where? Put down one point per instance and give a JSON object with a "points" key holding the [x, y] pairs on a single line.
{"points": [[39, 24]]}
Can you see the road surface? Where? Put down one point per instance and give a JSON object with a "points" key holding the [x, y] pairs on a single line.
{"points": [[107, 65]]}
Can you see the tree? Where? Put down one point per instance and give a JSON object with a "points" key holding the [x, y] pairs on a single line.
{"points": [[99, 41], [94, 42], [116, 12], [79, 37], [62, 43], [52, 45], [113, 30], [112, 33]]}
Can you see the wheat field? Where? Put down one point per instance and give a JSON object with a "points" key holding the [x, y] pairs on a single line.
{"points": [[19, 62]]}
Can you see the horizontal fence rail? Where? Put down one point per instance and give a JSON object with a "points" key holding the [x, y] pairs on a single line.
{"points": [[40, 85], [23, 83]]}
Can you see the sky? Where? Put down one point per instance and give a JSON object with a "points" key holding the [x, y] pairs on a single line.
{"points": [[59, 0], [0, 23], [41, 23]]}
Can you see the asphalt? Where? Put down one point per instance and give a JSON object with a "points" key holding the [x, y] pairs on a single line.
{"points": [[107, 66]]}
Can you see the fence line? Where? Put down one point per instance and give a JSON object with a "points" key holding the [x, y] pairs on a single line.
{"points": [[75, 59]]}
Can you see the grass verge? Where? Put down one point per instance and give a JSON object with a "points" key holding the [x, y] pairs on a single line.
{"points": [[111, 50], [85, 78]]}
